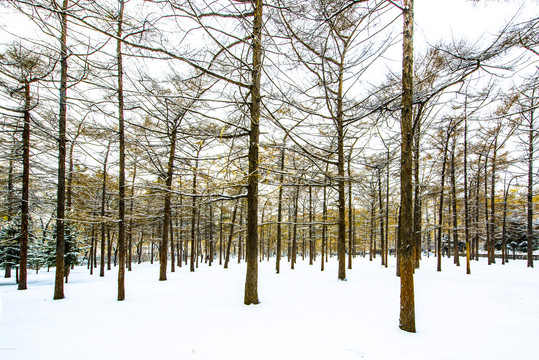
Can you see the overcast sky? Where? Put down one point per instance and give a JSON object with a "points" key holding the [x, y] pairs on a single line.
{"points": [[437, 19]]}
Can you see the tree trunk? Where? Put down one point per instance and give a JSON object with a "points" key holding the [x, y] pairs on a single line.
{"points": [[60, 210], [324, 229], [350, 215], [341, 241], [441, 207], [131, 211], [456, 258], [211, 234], [466, 206], [295, 230], [103, 197], [280, 211], [251, 278], [240, 237], [221, 236], [121, 174], [25, 215], [194, 217], [381, 208], [529, 196], [487, 222], [231, 233], [163, 254], [417, 187], [407, 308], [493, 201]]}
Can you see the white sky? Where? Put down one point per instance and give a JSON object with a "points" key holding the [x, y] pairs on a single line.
{"points": [[435, 19]]}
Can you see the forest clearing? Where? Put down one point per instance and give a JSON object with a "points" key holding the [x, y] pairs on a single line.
{"points": [[305, 313], [256, 137]]}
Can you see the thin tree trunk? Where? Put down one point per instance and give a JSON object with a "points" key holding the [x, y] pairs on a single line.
{"points": [[221, 236], [466, 206], [211, 234], [231, 233], [493, 201], [324, 229], [381, 206], [163, 254], [131, 211], [240, 237], [441, 207], [25, 216], [487, 222], [350, 215], [295, 229], [280, 211], [103, 197], [194, 217], [341, 243], [417, 188], [529, 196], [121, 174], [456, 258]]}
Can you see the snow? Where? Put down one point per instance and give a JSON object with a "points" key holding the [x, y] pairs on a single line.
{"points": [[304, 314]]}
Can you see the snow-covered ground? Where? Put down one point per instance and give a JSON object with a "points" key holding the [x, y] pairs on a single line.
{"points": [[304, 314]]}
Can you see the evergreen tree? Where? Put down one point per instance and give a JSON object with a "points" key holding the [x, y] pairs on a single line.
{"points": [[10, 238], [10, 244], [72, 249]]}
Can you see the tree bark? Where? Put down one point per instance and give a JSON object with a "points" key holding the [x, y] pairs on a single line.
{"points": [[280, 211], [456, 258], [466, 205], [251, 278], [163, 254], [529, 196], [407, 308], [23, 251], [103, 226], [441, 207], [62, 118], [121, 175]]}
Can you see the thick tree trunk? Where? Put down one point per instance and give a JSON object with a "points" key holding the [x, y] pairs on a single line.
{"points": [[407, 307], [251, 278], [60, 209]]}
